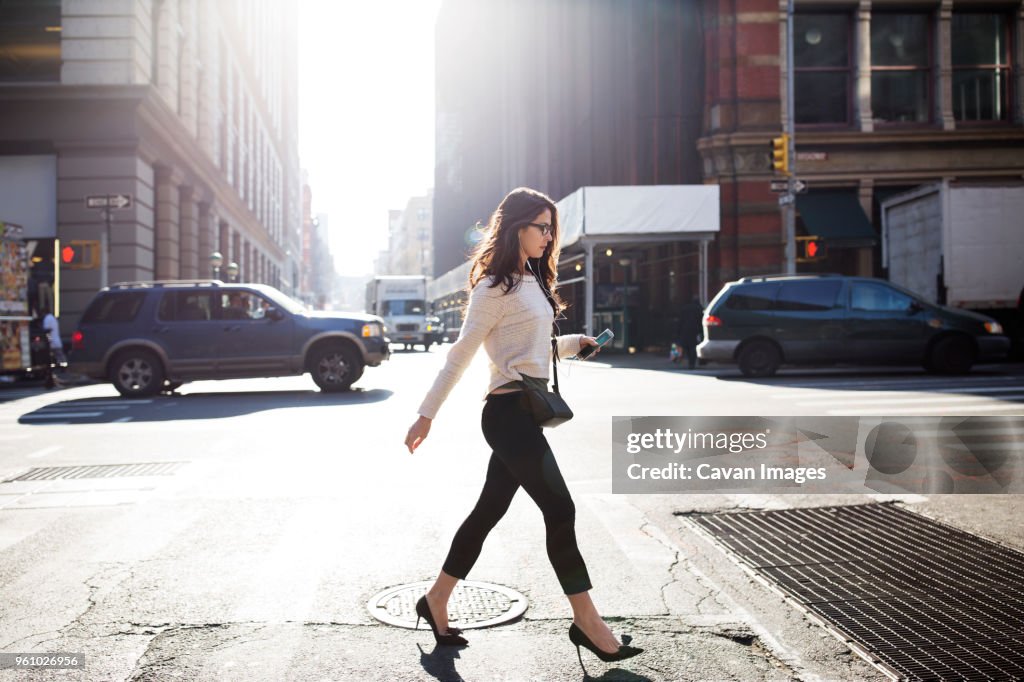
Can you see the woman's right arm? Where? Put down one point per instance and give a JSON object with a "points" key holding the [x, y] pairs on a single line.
{"points": [[486, 306]]}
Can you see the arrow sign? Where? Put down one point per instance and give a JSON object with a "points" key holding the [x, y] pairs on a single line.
{"points": [[119, 200], [115, 201], [799, 186]]}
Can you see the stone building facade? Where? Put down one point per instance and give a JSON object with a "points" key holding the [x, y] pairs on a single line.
{"points": [[189, 107]]}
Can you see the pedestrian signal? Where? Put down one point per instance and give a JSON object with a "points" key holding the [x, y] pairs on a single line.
{"points": [[810, 249], [80, 255], [780, 154]]}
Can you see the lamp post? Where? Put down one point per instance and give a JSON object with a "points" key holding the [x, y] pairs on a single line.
{"points": [[232, 271], [216, 260]]}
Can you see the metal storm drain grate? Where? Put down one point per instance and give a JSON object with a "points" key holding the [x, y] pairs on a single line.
{"points": [[917, 598], [99, 471], [473, 605]]}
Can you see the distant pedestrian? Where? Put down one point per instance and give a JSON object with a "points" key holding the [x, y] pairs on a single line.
{"points": [[689, 329], [52, 329], [511, 309]]}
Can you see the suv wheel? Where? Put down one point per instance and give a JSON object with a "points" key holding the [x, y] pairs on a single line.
{"points": [[759, 359], [137, 372], [335, 367], [952, 355]]}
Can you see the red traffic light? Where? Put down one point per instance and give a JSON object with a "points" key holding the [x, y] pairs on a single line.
{"points": [[67, 254], [810, 248]]}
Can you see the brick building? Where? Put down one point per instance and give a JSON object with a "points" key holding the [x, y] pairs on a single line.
{"points": [[889, 95]]}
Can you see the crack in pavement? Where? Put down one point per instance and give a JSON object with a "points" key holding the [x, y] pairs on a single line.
{"points": [[665, 542]]}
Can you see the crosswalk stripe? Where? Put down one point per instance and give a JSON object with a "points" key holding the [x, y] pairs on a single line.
{"points": [[45, 451], [59, 407], [959, 390], [896, 401], [60, 415], [930, 410], [888, 382]]}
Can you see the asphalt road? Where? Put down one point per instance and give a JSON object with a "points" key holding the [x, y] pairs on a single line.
{"points": [[253, 554]]}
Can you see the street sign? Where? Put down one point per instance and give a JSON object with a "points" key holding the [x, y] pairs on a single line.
{"points": [[785, 199], [115, 201], [119, 200], [799, 186]]}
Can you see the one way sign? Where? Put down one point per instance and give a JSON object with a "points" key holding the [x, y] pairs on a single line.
{"points": [[799, 186], [115, 201]]}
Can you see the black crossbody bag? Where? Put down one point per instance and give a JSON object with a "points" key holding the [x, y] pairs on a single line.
{"points": [[549, 409]]}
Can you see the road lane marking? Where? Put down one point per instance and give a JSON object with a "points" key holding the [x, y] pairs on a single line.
{"points": [[60, 415], [892, 401], [45, 451], [959, 409]]}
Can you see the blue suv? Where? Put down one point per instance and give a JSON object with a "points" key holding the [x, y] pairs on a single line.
{"points": [[148, 337]]}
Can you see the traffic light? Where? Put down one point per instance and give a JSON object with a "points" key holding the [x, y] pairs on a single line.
{"points": [[810, 249], [780, 154], [80, 255]]}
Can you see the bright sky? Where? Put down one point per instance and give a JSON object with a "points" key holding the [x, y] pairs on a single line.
{"points": [[366, 116]]}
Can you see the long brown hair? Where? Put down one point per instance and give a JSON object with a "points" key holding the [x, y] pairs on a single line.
{"points": [[497, 255]]}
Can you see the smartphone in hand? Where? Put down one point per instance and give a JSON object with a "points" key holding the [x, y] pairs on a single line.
{"points": [[602, 340]]}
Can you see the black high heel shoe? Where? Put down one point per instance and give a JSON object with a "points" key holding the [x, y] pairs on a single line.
{"points": [[579, 638], [450, 639]]}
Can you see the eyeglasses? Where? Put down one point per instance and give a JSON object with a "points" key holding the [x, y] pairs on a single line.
{"points": [[545, 228]]}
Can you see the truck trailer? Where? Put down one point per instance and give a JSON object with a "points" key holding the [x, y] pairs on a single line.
{"points": [[960, 246]]}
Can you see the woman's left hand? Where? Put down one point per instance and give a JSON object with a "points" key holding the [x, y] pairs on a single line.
{"points": [[590, 341]]}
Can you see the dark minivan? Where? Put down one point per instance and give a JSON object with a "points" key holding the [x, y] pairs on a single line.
{"points": [[763, 322]]}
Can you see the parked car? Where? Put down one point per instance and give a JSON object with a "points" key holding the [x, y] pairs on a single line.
{"points": [[145, 337], [763, 322]]}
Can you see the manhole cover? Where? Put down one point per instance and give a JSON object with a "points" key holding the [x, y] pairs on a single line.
{"points": [[918, 598], [473, 605]]}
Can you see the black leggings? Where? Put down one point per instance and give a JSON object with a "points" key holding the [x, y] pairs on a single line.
{"points": [[521, 457]]}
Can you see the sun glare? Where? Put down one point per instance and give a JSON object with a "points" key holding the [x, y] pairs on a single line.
{"points": [[366, 116]]}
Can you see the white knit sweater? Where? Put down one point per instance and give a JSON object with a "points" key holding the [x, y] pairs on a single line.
{"points": [[515, 329]]}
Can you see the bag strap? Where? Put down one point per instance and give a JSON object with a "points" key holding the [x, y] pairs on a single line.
{"points": [[554, 339], [554, 359]]}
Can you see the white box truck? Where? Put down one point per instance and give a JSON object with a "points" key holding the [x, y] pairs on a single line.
{"points": [[961, 246], [402, 301]]}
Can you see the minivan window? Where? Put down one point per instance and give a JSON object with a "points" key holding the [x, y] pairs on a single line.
{"points": [[185, 306], [877, 298], [808, 295], [753, 297], [113, 308]]}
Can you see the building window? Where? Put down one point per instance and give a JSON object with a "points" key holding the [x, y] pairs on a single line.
{"points": [[30, 41], [981, 67], [901, 67], [821, 61]]}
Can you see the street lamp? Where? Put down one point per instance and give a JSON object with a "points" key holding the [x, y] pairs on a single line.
{"points": [[216, 260], [232, 271]]}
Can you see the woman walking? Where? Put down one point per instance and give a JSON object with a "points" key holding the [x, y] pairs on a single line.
{"points": [[512, 305]]}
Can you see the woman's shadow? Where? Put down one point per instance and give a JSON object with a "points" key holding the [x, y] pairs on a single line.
{"points": [[440, 664]]}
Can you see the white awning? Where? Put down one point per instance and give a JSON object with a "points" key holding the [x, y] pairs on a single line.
{"points": [[676, 211]]}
